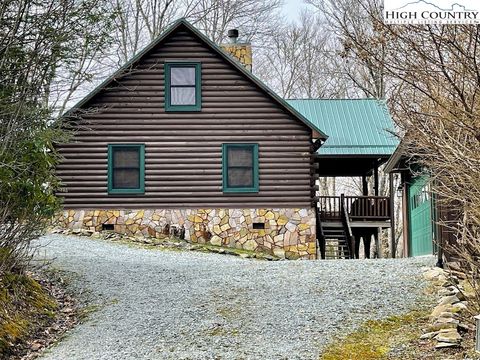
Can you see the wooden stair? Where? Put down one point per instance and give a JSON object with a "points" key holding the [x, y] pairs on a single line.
{"points": [[336, 246]]}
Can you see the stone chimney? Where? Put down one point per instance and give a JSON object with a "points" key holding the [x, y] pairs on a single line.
{"points": [[240, 51]]}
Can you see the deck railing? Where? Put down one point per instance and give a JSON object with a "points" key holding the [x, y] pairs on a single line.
{"points": [[357, 207]]}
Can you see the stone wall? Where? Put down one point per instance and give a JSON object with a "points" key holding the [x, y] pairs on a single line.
{"points": [[286, 233]]}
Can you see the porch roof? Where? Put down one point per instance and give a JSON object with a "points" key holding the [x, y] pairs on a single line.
{"points": [[356, 127]]}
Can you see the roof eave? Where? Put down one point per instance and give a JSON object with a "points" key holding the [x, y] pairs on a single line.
{"points": [[395, 158]]}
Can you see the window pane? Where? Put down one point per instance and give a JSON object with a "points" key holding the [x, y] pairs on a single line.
{"points": [[126, 157], [126, 179], [182, 96], [240, 156], [240, 177], [182, 76]]}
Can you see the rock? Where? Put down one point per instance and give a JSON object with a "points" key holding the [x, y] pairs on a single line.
{"points": [[459, 307], [217, 230], [216, 240], [244, 256], [439, 309], [442, 345], [250, 245], [280, 253], [466, 327], [449, 300], [291, 255], [291, 227], [35, 346], [450, 336], [270, 215], [303, 227], [443, 323], [448, 291], [433, 274], [448, 315], [429, 335]]}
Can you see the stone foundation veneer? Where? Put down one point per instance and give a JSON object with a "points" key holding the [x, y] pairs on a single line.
{"points": [[288, 233]]}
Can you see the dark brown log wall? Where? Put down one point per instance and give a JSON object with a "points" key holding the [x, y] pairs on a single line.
{"points": [[183, 157]]}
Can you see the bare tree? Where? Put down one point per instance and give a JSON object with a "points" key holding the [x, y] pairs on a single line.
{"points": [[351, 23], [295, 61], [140, 21], [255, 19]]}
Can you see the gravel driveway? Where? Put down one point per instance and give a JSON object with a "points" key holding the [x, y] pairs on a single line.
{"points": [[189, 305]]}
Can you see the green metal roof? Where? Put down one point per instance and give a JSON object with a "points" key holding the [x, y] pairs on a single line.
{"points": [[354, 127]]}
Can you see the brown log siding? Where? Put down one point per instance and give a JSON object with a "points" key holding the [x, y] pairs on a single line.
{"points": [[183, 160]]}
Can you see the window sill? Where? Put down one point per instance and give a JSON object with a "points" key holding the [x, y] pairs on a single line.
{"points": [[240, 191], [126, 192], [183, 109]]}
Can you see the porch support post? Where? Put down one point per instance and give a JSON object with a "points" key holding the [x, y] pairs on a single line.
{"points": [[375, 177], [392, 216], [378, 246], [364, 185]]}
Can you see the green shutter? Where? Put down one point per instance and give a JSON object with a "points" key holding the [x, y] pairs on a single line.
{"points": [[141, 150], [255, 169], [198, 88]]}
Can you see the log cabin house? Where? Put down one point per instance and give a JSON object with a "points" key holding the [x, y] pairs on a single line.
{"points": [[184, 139]]}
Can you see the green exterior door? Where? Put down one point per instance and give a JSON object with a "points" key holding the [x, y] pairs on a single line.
{"points": [[420, 213]]}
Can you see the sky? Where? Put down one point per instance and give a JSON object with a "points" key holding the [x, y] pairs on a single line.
{"points": [[292, 8]]}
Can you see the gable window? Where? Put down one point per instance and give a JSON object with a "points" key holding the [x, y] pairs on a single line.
{"points": [[126, 168], [183, 86], [240, 167]]}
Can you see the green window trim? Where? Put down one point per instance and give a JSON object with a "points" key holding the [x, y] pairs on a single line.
{"points": [[255, 175], [141, 188], [198, 87]]}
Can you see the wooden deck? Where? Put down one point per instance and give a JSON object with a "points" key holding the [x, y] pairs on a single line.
{"points": [[358, 208], [346, 219]]}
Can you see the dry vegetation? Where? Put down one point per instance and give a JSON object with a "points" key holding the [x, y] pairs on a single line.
{"points": [[395, 338], [27, 307]]}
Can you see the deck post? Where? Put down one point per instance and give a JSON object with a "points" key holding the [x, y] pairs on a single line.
{"points": [[392, 216], [364, 185], [378, 246], [375, 177]]}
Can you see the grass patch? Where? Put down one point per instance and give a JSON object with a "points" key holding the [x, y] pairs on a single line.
{"points": [[24, 307], [376, 338]]}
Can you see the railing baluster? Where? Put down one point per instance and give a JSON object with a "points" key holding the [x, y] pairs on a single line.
{"points": [[358, 207]]}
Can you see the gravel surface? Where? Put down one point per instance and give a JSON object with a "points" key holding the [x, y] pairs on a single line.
{"points": [[188, 305]]}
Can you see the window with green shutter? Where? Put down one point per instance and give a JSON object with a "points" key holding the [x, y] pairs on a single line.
{"points": [[183, 86], [126, 168], [240, 168]]}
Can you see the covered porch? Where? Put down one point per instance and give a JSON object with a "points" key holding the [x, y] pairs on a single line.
{"points": [[360, 141], [344, 220]]}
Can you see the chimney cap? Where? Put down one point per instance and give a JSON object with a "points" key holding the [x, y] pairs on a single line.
{"points": [[233, 35]]}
